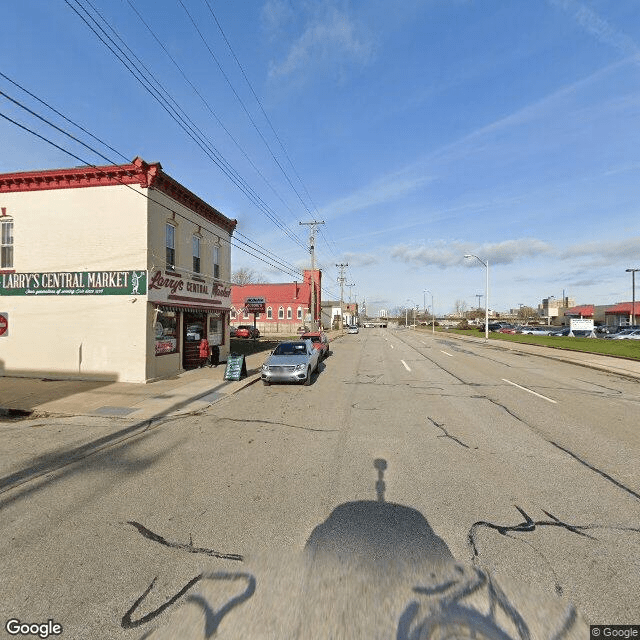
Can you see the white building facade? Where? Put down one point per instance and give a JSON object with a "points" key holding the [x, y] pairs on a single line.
{"points": [[110, 273]]}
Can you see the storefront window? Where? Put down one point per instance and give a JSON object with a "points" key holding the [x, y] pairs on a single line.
{"points": [[215, 328], [166, 329]]}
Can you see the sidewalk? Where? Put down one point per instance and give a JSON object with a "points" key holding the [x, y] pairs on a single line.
{"points": [[189, 391]]}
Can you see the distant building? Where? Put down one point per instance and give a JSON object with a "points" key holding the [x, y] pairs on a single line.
{"points": [[288, 305], [110, 273]]}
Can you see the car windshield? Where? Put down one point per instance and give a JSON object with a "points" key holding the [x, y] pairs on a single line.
{"points": [[290, 349]]}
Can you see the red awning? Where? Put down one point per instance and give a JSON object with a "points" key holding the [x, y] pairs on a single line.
{"points": [[583, 311], [623, 309]]}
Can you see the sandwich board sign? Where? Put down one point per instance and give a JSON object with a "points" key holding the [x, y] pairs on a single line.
{"points": [[236, 367]]}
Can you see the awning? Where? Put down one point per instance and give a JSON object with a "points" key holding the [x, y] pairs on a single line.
{"points": [[185, 307]]}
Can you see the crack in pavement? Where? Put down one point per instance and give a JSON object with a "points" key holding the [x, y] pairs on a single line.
{"points": [[447, 434], [277, 424], [189, 548], [528, 525]]}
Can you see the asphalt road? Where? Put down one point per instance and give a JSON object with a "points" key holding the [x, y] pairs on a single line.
{"points": [[420, 485]]}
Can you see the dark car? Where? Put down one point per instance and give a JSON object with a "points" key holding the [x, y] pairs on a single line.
{"points": [[247, 331]]}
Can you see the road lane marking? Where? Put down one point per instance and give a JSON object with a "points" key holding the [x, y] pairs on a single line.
{"points": [[391, 346], [529, 390], [406, 366], [446, 354]]}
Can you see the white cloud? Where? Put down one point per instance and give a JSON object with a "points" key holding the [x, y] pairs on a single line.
{"points": [[360, 259], [599, 27], [606, 252], [330, 38], [387, 189], [449, 254]]}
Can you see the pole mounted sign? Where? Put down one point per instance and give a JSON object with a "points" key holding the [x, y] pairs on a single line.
{"points": [[4, 325], [255, 305]]}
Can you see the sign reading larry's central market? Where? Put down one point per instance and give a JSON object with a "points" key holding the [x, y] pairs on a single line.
{"points": [[79, 283]]}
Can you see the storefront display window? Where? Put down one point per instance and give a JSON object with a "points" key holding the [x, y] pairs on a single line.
{"points": [[216, 328], [166, 329]]}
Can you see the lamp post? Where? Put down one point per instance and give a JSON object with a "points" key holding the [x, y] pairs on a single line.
{"points": [[633, 294], [413, 306], [486, 293], [433, 312]]}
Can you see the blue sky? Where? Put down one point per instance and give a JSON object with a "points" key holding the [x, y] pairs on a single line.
{"points": [[418, 130]]}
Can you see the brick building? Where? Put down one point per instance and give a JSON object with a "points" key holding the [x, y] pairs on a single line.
{"points": [[288, 305]]}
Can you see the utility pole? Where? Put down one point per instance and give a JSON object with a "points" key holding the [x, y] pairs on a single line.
{"points": [[313, 225], [341, 280]]}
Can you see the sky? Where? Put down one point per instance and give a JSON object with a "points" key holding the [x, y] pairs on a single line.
{"points": [[419, 131]]}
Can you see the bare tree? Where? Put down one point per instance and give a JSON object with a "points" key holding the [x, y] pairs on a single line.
{"points": [[245, 275], [526, 313], [461, 307]]}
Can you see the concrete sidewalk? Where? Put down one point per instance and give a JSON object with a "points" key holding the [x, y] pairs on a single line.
{"points": [[186, 392]]}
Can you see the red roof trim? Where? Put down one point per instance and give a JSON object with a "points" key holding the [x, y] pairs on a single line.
{"points": [[147, 176], [582, 310], [623, 308]]}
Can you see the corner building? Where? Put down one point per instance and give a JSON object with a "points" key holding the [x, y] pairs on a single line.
{"points": [[110, 273]]}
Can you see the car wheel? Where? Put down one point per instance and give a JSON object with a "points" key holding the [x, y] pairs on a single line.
{"points": [[266, 383], [307, 380]]}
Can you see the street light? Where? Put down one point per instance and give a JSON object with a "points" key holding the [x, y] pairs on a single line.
{"points": [[633, 294], [433, 311], [486, 293]]}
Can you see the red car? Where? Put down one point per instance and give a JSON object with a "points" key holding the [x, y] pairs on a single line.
{"points": [[319, 340], [242, 333]]}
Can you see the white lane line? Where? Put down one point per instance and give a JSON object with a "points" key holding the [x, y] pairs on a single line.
{"points": [[406, 366], [529, 390], [446, 354], [391, 346]]}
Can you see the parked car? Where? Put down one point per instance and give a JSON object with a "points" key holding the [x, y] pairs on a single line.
{"points": [[494, 326], [319, 340], [628, 334], [293, 361], [253, 332], [353, 328], [232, 331], [534, 331], [242, 333], [507, 328]]}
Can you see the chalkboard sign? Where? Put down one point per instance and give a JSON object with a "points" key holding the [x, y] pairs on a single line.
{"points": [[236, 367]]}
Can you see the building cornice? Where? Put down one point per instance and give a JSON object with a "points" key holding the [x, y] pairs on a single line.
{"points": [[139, 172]]}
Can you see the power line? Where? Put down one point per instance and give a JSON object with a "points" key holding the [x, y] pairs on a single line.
{"points": [[207, 147], [209, 108], [266, 117], [265, 257], [244, 108]]}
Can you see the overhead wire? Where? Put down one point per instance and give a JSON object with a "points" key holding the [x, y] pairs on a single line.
{"points": [[209, 108], [244, 107], [260, 252], [175, 112]]}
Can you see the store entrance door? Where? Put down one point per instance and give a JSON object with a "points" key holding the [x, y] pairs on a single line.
{"points": [[194, 327]]}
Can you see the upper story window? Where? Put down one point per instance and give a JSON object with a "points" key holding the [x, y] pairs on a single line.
{"points": [[299, 313], [269, 313], [170, 243], [281, 313], [6, 259], [289, 314], [216, 261], [196, 254]]}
